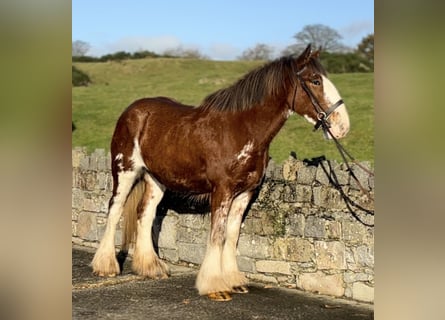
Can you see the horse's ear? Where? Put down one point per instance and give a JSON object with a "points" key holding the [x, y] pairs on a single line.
{"points": [[305, 56], [316, 54]]}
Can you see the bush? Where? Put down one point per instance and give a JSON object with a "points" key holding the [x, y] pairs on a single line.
{"points": [[79, 78], [345, 62]]}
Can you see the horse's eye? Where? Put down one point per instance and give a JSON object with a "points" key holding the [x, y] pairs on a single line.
{"points": [[316, 82]]}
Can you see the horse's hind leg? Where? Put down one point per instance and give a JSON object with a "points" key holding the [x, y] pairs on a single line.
{"points": [[104, 262], [145, 260]]}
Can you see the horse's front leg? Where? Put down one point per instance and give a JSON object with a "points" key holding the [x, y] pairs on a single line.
{"points": [[235, 279], [210, 280]]}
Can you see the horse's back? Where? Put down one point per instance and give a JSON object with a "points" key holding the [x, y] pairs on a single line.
{"points": [[147, 106]]}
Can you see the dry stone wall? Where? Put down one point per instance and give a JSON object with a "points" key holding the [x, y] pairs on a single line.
{"points": [[300, 232]]}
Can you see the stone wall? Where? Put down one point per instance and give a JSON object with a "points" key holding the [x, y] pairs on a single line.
{"points": [[300, 232]]}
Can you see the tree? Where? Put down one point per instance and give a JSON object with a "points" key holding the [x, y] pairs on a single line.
{"points": [[260, 52], [80, 48], [366, 49], [320, 36]]}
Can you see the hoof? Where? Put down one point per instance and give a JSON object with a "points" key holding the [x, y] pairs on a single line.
{"points": [[220, 296], [103, 274], [240, 289]]}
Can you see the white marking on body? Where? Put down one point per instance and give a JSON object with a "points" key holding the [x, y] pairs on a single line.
{"points": [[288, 113], [310, 119], [136, 156], [244, 154], [118, 159]]}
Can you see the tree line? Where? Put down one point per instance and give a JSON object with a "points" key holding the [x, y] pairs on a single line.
{"points": [[335, 56]]}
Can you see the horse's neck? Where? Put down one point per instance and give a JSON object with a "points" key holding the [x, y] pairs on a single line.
{"points": [[266, 121]]}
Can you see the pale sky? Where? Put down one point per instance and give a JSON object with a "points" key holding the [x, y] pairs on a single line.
{"points": [[220, 29]]}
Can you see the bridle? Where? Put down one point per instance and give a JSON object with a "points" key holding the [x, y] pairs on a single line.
{"points": [[322, 116], [322, 121]]}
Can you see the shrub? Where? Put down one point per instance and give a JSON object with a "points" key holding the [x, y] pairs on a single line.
{"points": [[79, 78]]}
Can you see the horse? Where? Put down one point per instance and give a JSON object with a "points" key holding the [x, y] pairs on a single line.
{"points": [[218, 151]]}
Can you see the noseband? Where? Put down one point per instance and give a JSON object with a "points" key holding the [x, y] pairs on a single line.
{"points": [[322, 116]]}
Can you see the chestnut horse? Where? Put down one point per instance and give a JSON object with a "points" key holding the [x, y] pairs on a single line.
{"points": [[218, 150]]}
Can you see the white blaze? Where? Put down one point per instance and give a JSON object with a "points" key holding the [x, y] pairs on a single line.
{"points": [[339, 119]]}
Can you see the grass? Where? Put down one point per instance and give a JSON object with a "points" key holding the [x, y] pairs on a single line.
{"points": [[115, 85]]}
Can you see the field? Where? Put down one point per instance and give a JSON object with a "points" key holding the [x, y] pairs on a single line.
{"points": [[96, 108]]}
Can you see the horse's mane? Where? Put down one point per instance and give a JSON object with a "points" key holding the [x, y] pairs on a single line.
{"points": [[270, 80]]}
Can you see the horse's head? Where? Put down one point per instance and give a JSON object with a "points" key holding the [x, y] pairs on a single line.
{"points": [[316, 98]]}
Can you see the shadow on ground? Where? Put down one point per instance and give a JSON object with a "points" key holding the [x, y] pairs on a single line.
{"points": [[130, 297]]}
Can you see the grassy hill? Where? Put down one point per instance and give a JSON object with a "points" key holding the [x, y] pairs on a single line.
{"points": [[115, 85]]}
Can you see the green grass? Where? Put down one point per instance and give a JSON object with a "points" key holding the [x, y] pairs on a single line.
{"points": [[116, 84]]}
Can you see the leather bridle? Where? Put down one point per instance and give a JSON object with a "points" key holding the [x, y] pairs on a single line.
{"points": [[322, 120], [322, 115]]}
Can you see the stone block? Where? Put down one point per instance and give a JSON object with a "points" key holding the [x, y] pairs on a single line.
{"points": [[350, 277], [334, 199], [274, 171], [290, 168], [76, 199], [262, 278], [191, 252], [306, 175], [320, 196], [84, 162], [102, 181], [169, 254], [303, 193], [269, 266], [362, 292], [314, 227], [246, 264], [87, 226], [364, 256], [91, 203], [330, 255], [323, 173], [252, 246], [194, 221], [190, 235], [293, 249], [322, 283], [77, 155], [361, 175], [90, 181], [73, 228], [168, 231], [289, 194], [295, 225], [353, 232], [341, 176], [276, 192], [333, 229]]}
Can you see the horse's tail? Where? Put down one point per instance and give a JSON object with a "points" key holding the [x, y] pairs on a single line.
{"points": [[130, 214]]}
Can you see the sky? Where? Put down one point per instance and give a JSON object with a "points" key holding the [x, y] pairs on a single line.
{"points": [[220, 29]]}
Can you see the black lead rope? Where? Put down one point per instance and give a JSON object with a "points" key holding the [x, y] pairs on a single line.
{"points": [[343, 152], [322, 117]]}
